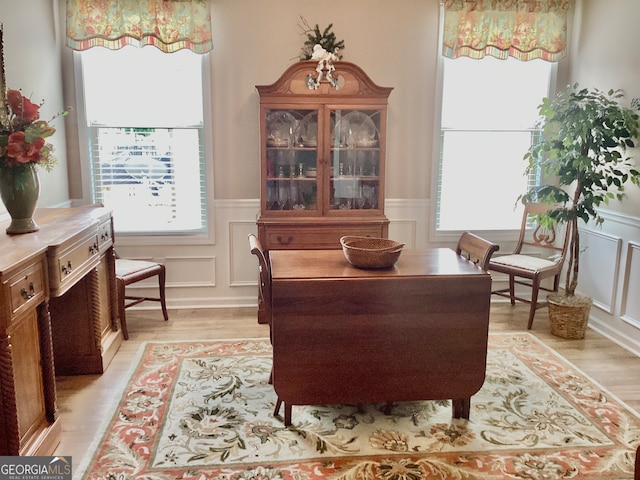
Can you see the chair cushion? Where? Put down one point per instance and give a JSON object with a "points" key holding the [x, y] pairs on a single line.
{"points": [[524, 262], [126, 267]]}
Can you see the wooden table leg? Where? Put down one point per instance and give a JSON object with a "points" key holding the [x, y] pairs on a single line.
{"points": [[287, 414], [287, 411], [276, 410], [461, 407]]}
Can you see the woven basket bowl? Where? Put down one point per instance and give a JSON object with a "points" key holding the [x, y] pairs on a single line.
{"points": [[371, 252]]}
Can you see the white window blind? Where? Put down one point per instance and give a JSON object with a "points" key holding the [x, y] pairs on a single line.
{"points": [[144, 114], [488, 122]]}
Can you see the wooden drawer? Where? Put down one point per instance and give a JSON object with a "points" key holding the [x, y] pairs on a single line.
{"points": [[73, 262], [105, 235], [315, 236], [27, 288]]}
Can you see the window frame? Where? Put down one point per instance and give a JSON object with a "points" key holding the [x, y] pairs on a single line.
{"points": [[207, 235], [452, 236]]}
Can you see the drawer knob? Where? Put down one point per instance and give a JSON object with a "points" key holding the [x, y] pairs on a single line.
{"points": [[93, 249], [28, 294], [281, 241], [67, 269]]}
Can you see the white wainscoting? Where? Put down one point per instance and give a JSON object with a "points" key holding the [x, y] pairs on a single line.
{"points": [[224, 273], [630, 308], [599, 268], [610, 273], [409, 222]]}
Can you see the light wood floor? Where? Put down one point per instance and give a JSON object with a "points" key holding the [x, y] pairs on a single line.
{"points": [[85, 401]]}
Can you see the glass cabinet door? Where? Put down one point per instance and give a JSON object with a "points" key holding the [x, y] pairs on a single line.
{"points": [[355, 160], [291, 159]]}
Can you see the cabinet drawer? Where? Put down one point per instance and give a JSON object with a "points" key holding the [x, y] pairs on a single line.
{"points": [[27, 288], [73, 263], [105, 235], [316, 236]]}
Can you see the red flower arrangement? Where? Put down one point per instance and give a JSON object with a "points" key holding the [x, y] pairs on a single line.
{"points": [[23, 134]]}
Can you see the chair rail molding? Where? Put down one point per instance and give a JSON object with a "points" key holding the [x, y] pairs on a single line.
{"points": [[226, 274]]}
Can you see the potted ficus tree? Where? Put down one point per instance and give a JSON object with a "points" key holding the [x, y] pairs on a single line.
{"points": [[583, 157]]}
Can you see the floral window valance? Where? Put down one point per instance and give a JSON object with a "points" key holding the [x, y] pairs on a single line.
{"points": [[170, 25], [523, 29]]}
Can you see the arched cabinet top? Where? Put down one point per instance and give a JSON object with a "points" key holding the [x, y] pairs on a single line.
{"points": [[352, 81]]}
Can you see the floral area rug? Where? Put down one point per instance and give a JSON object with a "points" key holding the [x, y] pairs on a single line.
{"points": [[204, 410]]}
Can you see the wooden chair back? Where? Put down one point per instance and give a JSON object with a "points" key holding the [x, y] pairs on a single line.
{"points": [[539, 255], [476, 249], [264, 279], [550, 243]]}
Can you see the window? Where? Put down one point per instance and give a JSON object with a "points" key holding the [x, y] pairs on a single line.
{"points": [[488, 122], [146, 137]]}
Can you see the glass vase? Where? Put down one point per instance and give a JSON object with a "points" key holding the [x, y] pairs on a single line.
{"points": [[19, 189]]}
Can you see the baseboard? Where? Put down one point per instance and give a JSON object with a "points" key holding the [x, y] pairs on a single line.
{"points": [[625, 342]]}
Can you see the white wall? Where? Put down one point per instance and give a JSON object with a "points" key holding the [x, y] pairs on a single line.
{"points": [[604, 55], [32, 64], [254, 42]]}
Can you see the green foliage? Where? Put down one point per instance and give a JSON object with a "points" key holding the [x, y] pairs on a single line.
{"points": [[325, 38], [583, 145]]}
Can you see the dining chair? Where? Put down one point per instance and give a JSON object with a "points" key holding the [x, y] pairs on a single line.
{"points": [[264, 293], [476, 249], [636, 475], [539, 254], [132, 271], [264, 278]]}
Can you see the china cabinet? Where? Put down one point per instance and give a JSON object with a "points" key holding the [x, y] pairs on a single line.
{"points": [[322, 148]]}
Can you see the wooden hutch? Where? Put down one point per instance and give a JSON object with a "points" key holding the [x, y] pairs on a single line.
{"points": [[322, 150]]}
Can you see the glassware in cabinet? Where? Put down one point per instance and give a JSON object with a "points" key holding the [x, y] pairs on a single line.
{"points": [[291, 159], [355, 160]]}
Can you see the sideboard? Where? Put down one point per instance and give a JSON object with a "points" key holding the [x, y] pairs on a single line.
{"points": [[58, 315]]}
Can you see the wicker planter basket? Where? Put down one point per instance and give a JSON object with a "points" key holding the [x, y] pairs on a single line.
{"points": [[371, 252], [569, 320]]}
